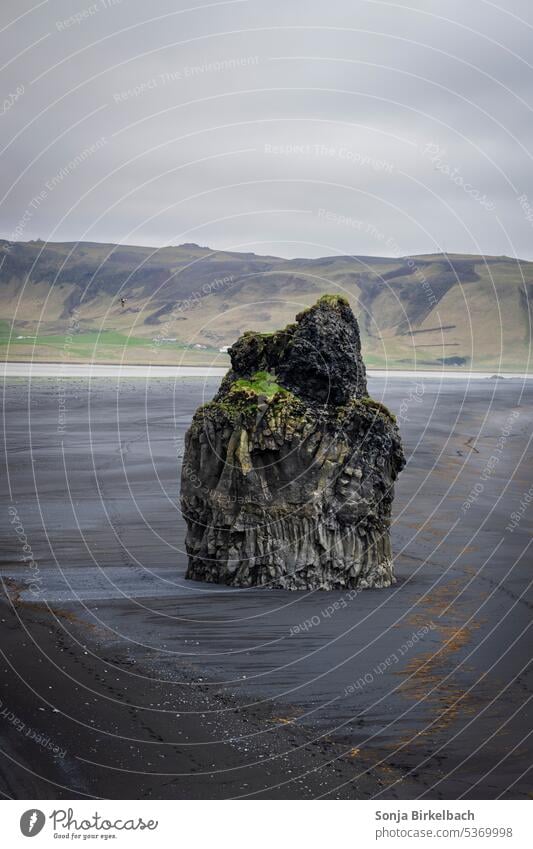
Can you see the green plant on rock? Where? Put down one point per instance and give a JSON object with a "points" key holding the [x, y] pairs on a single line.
{"points": [[261, 383]]}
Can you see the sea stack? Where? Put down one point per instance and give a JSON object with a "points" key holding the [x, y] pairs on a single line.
{"points": [[288, 474]]}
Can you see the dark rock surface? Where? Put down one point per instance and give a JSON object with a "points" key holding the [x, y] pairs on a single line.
{"points": [[288, 474]]}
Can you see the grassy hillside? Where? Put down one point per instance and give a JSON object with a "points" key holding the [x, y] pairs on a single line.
{"points": [[61, 302]]}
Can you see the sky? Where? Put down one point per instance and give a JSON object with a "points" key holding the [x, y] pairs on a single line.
{"points": [[289, 127]]}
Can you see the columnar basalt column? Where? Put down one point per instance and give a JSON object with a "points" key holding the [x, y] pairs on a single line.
{"points": [[288, 474]]}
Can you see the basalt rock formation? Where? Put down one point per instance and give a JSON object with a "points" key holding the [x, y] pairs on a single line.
{"points": [[288, 474]]}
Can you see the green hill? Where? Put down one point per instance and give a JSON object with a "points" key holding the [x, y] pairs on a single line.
{"points": [[61, 302]]}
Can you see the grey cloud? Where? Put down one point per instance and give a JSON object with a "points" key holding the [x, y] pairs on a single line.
{"points": [[235, 111]]}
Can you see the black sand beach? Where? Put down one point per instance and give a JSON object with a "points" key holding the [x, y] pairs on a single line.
{"points": [[150, 686]]}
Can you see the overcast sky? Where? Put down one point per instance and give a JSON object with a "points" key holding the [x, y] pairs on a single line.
{"points": [[287, 127]]}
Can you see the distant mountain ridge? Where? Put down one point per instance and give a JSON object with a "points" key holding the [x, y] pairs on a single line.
{"points": [[185, 303]]}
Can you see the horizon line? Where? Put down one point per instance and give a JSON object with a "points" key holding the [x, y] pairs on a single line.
{"points": [[273, 256]]}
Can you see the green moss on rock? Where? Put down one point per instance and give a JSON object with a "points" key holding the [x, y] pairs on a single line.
{"points": [[328, 300], [377, 407], [262, 383], [333, 300], [244, 396]]}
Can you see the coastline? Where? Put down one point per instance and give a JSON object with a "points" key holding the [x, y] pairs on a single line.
{"points": [[65, 370]]}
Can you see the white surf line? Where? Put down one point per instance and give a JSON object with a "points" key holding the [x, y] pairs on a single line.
{"points": [[101, 370], [12, 369], [446, 374]]}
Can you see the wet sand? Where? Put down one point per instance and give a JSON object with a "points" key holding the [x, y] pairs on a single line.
{"points": [[151, 686]]}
